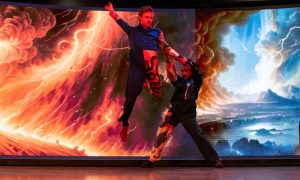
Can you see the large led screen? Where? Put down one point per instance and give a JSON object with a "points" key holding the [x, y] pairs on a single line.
{"points": [[63, 76]]}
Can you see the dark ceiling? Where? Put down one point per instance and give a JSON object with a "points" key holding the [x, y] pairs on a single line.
{"points": [[164, 4]]}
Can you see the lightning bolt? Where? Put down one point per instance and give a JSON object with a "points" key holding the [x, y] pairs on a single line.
{"points": [[111, 49], [107, 117], [281, 42], [66, 25]]}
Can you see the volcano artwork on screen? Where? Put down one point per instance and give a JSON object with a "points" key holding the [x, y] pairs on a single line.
{"points": [[63, 75]]}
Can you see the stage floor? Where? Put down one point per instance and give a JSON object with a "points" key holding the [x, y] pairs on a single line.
{"points": [[165, 173]]}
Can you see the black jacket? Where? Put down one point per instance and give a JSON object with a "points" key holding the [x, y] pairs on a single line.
{"points": [[186, 91]]}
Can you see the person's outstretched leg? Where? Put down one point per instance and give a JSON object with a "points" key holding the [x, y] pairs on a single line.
{"points": [[205, 147], [133, 89], [163, 133]]}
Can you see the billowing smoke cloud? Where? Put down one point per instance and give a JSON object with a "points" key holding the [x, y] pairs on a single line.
{"points": [[211, 57], [19, 28]]}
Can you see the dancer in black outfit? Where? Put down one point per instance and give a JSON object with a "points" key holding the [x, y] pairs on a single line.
{"points": [[183, 110]]}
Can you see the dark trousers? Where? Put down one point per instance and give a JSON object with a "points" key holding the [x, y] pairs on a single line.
{"points": [[135, 83], [188, 120], [133, 89], [200, 139]]}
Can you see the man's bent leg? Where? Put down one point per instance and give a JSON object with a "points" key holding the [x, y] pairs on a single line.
{"points": [[133, 89], [163, 133], [152, 76]]}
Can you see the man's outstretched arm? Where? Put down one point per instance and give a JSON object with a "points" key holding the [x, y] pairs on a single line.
{"points": [[171, 70], [109, 7]]}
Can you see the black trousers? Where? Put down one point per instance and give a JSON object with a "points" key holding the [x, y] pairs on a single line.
{"points": [[188, 121], [135, 83], [205, 147], [133, 88]]}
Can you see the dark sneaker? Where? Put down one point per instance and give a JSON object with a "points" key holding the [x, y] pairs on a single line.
{"points": [[148, 164], [123, 133], [122, 119], [219, 164]]}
